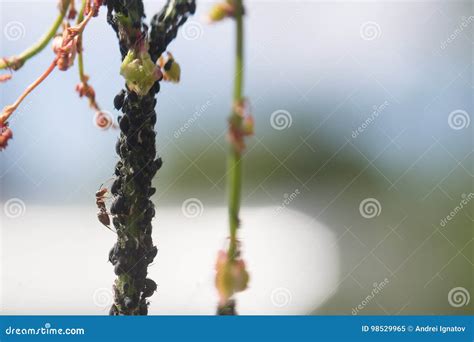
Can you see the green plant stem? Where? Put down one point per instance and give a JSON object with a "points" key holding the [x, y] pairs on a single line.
{"points": [[80, 57], [239, 52], [16, 62], [235, 184], [234, 162]]}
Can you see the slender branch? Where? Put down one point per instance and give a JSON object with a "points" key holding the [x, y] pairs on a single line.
{"points": [[16, 62], [84, 88], [239, 52], [234, 163], [70, 34], [80, 57], [8, 110], [231, 275]]}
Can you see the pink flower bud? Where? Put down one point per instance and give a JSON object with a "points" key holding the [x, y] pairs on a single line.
{"points": [[57, 44]]}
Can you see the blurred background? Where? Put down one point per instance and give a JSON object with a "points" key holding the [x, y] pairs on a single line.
{"points": [[363, 125]]}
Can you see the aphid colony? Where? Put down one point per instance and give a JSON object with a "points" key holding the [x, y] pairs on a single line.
{"points": [[120, 205], [120, 256], [131, 209]]}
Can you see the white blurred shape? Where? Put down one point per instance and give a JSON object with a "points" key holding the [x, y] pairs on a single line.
{"points": [[54, 263]]}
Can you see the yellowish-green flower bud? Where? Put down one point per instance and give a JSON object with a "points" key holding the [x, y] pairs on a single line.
{"points": [[220, 11], [139, 71]]}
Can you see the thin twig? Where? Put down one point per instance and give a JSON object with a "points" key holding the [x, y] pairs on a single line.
{"points": [[8, 110], [16, 62], [80, 58], [84, 88], [234, 162], [72, 33], [231, 273]]}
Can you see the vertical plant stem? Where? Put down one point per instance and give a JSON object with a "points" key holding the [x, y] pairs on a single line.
{"points": [[234, 162], [132, 189], [239, 52], [132, 208], [80, 57]]}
